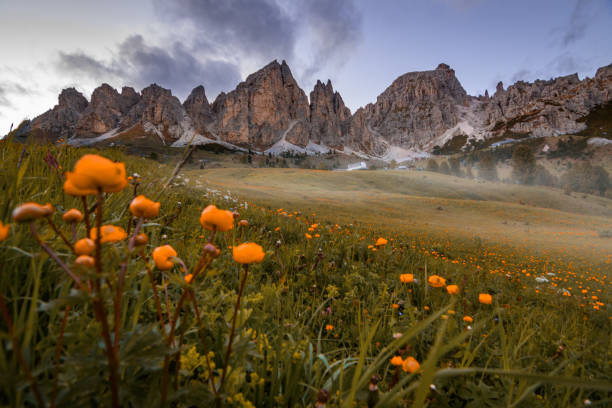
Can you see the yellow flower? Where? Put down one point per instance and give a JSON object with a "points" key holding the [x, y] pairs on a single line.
{"points": [[248, 253], [84, 246], [85, 260], [72, 215], [397, 361], [31, 211], [381, 242], [452, 289], [410, 365], [485, 298], [141, 206], [93, 172], [436, 281], [406, 278], [4, 231], [214, 218], [110, 233], [162, 255]]}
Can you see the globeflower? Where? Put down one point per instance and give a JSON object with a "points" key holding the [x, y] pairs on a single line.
{"points": [[84, 246], [72, 215], [452, 289], [110, 233], [85, 260], [410, 365], [141, 239], [4, 231], [436, 281], [485, 298], [141, 206], [213, 218], [31, 211], [188, 278], [406, 278], [71, 189], [381, 242], [248, 253], [93, 172], [397, 361], [162, 255], [468, 319]]}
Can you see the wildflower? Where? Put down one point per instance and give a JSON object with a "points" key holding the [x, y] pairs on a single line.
{"points": [[214, 218], [243, 223], [85, 260], [308, 236], [93, 172], [141, 239], [329, 327], [397, 361], [4, 231], [248, 253], [162, 255], [410, 365], [395, 306], [110, 233], [436, 281], [397, 335], [407, 278], [381, 242], [188, 278], [141, 206], [72, 215], [31, 211], [84, 246], [452, 289], [485, 298], [71, 189]]}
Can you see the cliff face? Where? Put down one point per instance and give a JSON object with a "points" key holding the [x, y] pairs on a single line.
{"points": [[417, 111]]}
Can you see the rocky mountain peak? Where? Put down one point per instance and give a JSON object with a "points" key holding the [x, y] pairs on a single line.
{"points": [[73, 99], [329, 117], [197, 107]]}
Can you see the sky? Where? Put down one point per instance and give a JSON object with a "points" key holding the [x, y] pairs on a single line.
{"points": [[361, 45]]}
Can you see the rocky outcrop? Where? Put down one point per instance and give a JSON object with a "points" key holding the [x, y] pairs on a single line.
{"points": [[105, 110], [197, 107], [546, 108], [329, 117], [260, 110]]}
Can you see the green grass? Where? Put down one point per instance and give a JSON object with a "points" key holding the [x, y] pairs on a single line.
{"points": [[532, 347]]}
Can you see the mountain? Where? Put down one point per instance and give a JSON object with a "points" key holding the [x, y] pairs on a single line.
{"points": [[269, 112]]}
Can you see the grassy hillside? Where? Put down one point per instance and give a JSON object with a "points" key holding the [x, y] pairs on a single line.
{"points": [[322, 316]]}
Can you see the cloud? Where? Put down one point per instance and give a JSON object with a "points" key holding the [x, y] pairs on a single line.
{"points": [[578, 23], [139, 64], [4, 102], [521, 74], [10, 89]]}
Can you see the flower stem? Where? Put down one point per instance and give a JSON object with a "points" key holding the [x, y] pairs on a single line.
{"points": [[86, 211], [58, 232], [58, 352]]}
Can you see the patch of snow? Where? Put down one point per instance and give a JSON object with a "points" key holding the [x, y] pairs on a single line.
{"points": [[89, 141], [357, 166], [599, 141]]}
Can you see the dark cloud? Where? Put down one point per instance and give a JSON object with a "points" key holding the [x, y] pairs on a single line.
{"points": [[4, 102], [578, 23], [8, 89], [136, 63]]}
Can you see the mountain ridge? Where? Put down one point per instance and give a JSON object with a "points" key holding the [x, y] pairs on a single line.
{"points": [[269, 111]]}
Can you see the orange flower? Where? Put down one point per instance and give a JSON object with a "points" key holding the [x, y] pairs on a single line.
{"points": [[243, 223], [397, 361], [85, 260], [308, 236], [214, 218], [452, 289], [71, 189], [93, 172], [188, 278], [248, 253], [436, 281], [468, 319], [4, 231], [381, 242], [329, 327], [84, 246], [141, 239], [141, 206], [410, 365], [72, 215], [485, 298], [110, 233], [406, 278], [31, 211], [162, 255]]}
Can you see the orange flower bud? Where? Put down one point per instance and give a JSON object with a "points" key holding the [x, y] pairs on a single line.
{"points": [[406, 278], [436, 281], [452, 289], [243, 223], [4, 231], [141, 239], [308, 236], [248, 253], [93, 172], [31, 211], [162, 255], [410, 365], [329, 327], [84, 246], [188, 278], [72, 215], [485, 298], [214, 218], [468, 319], [397, 361], [110, 233], [381, 242], [85, 260], [141, 206]]}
